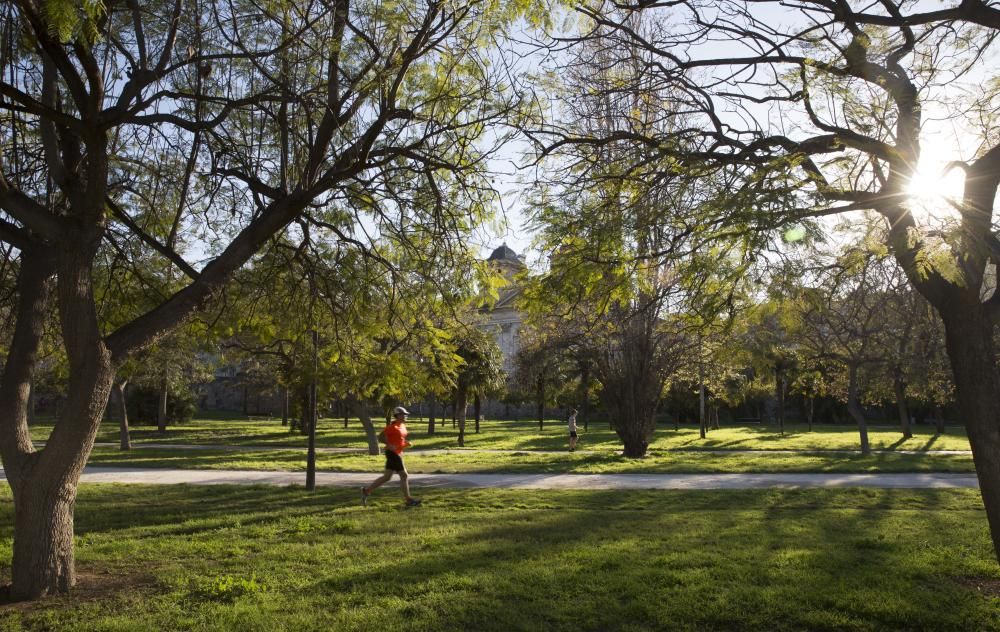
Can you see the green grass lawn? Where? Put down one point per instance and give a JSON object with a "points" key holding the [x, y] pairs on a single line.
{"points": [[227, 558], [602, 462], [521, 448], [524, 435]]}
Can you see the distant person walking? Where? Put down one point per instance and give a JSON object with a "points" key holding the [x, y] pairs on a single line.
{"points": [[572, 429], [394, 438]]}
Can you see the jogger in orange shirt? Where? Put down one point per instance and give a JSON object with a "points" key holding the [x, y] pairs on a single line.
{"points": [[394, 437]]}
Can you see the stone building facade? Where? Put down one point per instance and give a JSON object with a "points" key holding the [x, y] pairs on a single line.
{"points": [[503, 318]]}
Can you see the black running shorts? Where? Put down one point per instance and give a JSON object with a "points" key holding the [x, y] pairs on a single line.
{"points": [[393, 461]]}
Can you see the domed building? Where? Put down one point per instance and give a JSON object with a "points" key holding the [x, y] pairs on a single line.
{"points": [[503, 318]]}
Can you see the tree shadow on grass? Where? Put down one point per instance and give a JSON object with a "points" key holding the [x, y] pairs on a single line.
{"points": [[621, 551], [105, 507], [505, 560], [930, 442]]}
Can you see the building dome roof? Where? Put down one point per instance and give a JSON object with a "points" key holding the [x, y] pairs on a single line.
{"points": [[503, 253]]}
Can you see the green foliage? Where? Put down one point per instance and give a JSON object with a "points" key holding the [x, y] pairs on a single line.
{"points": [[74, 20], [481, 370]]}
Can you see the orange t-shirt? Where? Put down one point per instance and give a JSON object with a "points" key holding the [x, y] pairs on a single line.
{"points": [[395, 436]]}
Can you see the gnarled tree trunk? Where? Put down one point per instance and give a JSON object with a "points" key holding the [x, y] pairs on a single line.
{"points": [[44, 482], [360, 410]]}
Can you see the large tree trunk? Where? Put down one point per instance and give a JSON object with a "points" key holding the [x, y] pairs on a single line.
{"points": [[904, 414], [43, 562], [430, 416], [854, 408], [161, 409], [969, 337], [461, 403], [360, 410], [634, 429], [634, 408], [125, 441], [44, 482]]}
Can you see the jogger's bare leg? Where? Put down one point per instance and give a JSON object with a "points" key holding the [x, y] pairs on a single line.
{"points": [[404, 483], [378, 482]]}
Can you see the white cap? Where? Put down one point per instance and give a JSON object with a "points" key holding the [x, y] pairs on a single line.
{"points": [[400, 411]]}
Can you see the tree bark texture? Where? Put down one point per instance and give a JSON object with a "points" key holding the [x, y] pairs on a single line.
{"points": [[360, 410], [854, 408], [969, 338], [44, 482], [43, 562]]}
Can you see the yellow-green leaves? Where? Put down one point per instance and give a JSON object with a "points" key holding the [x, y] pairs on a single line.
{"points": [[69, 20]]}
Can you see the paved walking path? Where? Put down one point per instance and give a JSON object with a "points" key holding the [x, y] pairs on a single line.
{"points": [[246, 448], [158, 476]]}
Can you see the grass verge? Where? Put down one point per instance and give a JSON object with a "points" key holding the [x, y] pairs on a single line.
{"points": [[221, 558], [603, 462], [523, 435]]}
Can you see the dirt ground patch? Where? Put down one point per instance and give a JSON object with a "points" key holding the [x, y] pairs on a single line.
{"points": [[91, 585]]}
